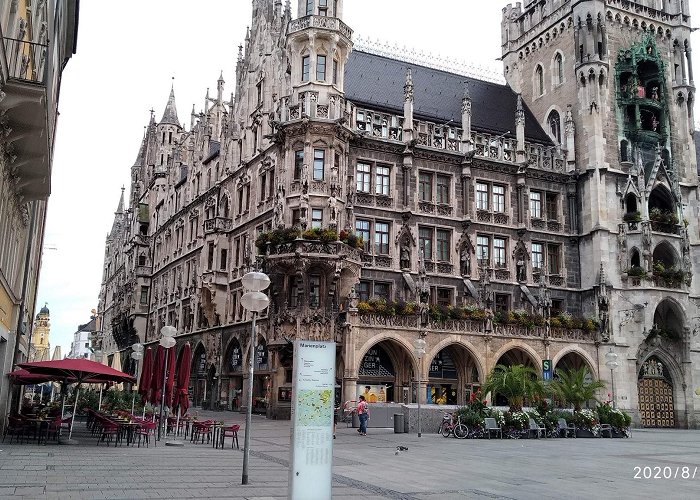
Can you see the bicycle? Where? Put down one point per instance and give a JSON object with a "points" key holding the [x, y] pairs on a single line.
{"points": [[456, 429]]}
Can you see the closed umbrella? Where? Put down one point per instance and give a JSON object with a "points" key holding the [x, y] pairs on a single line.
{"points": [[170, 381], [146, 375], [181, 399], [157, 376]]}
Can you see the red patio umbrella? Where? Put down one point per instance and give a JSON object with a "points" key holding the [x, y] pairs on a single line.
{"points": [[21, 376], [78, 370], [157, 376], [146, 375], [181, 398], [81, 369]]}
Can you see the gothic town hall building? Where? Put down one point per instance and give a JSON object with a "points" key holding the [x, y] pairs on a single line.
{"points": [[554, 217]]}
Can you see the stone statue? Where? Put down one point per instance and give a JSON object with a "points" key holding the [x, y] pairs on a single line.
{"points": [[465, 261], [278, 214], [304, 209], [520, 270], [405, 256], [333, 206]]}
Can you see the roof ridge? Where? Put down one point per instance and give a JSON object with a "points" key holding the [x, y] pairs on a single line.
{"points": [[428, 61]]}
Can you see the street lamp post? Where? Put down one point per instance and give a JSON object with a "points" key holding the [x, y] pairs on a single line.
{"points": [[167, 341], [419, 350], [136, 355], [611, 362], [253, 300]]}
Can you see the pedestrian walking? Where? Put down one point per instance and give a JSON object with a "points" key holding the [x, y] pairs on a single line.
{"points": [[363, 414]]}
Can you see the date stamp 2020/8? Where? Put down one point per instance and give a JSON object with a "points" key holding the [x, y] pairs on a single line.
{"points": [[665, 472]]}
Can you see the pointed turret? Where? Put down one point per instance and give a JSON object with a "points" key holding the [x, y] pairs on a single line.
{"points": [[120, 208], [220, 88], [408, 107], [170, 113]]}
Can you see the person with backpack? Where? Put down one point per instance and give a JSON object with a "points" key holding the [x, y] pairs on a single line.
{"points": [[363, 414]]}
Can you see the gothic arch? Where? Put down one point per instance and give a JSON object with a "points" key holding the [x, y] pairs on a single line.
{"points": [[467, 346], [635, 257], [557, 68], [585, 357], [670, 314], [666, 254], [521, 346], [392, 338], [670, 361], [553, 124]]}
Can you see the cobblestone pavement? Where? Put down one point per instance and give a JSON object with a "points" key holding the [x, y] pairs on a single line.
{"points": [[433, 467]]}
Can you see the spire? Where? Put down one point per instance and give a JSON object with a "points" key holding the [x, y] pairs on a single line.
{"points": [[170, 113], [120, 208], [220, 88], [408, 86]]}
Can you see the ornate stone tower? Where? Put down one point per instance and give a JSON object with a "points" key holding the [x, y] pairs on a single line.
{"points": [[40, 348], [612, 83]]}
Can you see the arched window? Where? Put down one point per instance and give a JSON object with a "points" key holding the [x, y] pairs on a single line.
{"points": [[539, 80], [554, 123], [559, 69], [624, 150]]}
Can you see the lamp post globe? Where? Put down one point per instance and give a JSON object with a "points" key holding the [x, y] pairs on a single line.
{"points": [[137, 347], [254, 301], [255, 281], [136, 355]]}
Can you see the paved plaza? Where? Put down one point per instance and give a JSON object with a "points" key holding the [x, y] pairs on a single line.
{"points": [[433, 467]]}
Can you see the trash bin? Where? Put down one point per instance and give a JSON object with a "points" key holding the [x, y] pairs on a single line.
{"points": [[355, 420], [398, 423]]}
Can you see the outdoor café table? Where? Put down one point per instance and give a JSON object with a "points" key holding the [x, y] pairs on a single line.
{"points": [[39, 425], [217, 428], [128, 429]]}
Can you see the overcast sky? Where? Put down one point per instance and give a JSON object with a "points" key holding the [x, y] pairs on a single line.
{"points": [[128, 52]]}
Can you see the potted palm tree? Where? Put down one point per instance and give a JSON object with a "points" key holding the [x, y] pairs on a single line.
{"points": [[574, 387], [516, 383]]}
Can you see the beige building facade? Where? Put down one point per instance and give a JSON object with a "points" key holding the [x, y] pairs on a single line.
{"points": [[389, 200], [38, 38]]}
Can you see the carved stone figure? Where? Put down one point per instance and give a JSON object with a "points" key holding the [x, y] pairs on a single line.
{"points": [[520, 270], [278, 214], [465, 261], [405, 256], [333, 208]]}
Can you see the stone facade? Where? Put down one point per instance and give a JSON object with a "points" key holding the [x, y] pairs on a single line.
{"points": [[36, 41], [409, 203]]}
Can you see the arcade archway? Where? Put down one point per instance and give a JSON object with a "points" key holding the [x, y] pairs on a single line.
{"points": [[384, 373], [512, 357], [453, 375]]}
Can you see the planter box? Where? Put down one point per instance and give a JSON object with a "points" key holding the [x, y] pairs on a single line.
{"points": [[582, 433]]}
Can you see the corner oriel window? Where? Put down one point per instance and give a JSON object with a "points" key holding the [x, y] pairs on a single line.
{"points": [[321, 68], [316, 218], [309, 7], [305, 62], [323, 8], [298, 163], [319, 163]]}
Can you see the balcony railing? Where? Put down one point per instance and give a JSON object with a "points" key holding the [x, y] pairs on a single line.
{"points": [[217, 224], [25, 61], [323, 22], [469, 326]]}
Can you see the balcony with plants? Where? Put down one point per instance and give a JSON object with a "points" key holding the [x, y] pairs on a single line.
{"points": [[474, 319], [319, 241]]}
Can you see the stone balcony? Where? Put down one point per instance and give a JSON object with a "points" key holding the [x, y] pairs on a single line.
{"points": [[217, 225], [473, 327], [320, 22]]}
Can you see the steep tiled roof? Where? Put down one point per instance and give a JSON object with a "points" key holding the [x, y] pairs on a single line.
{"points": [[377, 81]]}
